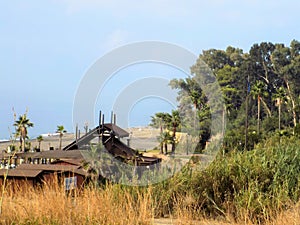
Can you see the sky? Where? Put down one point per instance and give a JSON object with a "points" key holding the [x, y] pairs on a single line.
{"points": [[46, 47]]}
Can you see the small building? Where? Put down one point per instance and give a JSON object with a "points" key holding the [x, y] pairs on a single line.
{"points": [[20, 178], [71, 176]]}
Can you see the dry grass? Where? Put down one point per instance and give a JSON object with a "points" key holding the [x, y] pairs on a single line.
{"points": [[186, 214], [50, 205], [112, 205], [265, 184]]}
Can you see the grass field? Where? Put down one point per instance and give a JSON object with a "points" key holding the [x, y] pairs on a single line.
{"points": [[112, 205], [261, 186]]}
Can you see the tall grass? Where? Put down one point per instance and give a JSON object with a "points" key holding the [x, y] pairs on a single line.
{"points": [[51, 205], [255, 187]]}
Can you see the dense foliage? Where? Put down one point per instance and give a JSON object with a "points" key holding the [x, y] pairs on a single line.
{"points": [[260, 90], [256, 184], [262, 105]]}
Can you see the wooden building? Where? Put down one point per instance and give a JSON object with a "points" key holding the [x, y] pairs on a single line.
{"points": [[71, 176]]}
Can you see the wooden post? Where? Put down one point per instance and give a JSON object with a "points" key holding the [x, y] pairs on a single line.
{"points": [[100, 118], [76, 135], [115, 119]]}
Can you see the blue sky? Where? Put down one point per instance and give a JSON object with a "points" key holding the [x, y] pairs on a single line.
{"points": [[47, 46]]}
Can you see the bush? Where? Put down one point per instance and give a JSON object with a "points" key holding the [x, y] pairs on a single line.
{"points": [[258, 182], [255, 184]]}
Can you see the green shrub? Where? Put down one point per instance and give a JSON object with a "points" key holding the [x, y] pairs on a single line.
{"points": [[258, 184]]}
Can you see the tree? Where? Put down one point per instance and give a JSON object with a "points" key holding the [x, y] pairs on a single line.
{"points": [[21, 126], [166, 121], [93, 164], [216, 59], [193, 101], [60, 130], [174, 123], [279, 97], [265, 72], [190, 92], [165, 139], [159, 120], [260, 55], [226, 78], [286, 63], [40, 139], [258, 91]]}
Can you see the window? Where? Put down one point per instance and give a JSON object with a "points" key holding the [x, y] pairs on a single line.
{"points": [[70, 183]]}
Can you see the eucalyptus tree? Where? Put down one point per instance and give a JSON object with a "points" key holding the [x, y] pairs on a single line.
{"points": [[260, 55], [217, 59], [286, 62]]}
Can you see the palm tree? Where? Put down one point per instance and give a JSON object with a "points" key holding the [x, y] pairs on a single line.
{"points": [[280, 97], [159, 120], [92, 163], [174, 123], [166, 138], [258, 91], [40, 139], [61, 130], [21, 129]]}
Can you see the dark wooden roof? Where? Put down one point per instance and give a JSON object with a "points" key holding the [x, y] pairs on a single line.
{"points": [[33, 170], [20, 173], [117, 130], [75, 161], [53, 168], [55, 154], [47, 167], [94, 133], [60, 154]]}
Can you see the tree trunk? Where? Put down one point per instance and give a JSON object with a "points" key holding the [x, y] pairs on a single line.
{"points": [[161, 143], [266, 107], [60, 141], [173, 139], [23, 134], [258, 114], [223, 120], [293, 102], [279, 115], [246, 122], [22, 144], [166, 148]]}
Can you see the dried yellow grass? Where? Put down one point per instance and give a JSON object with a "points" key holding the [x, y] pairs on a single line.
{"points": [[113, 204], [51, 205]]}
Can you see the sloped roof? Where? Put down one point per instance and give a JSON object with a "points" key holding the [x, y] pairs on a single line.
{"points": [[81, 172], [118, 130], [54, 154], [28, 154], [75, 161], [47, 167], [20, 173], [60, 154]]}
